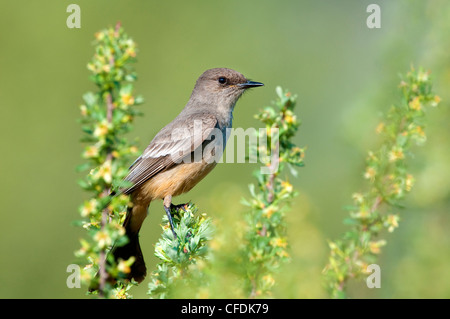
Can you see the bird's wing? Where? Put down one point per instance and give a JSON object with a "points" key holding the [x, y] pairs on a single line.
{"points": [[174, 142]]}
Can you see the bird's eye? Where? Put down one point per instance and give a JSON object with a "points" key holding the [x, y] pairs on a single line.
{"points": [[222, 80]]}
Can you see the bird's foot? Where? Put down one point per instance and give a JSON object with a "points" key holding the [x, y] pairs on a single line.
{"points": [[169, 216], [177, 207]]}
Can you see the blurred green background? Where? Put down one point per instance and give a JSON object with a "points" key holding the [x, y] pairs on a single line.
{"points": [[344, 74]]}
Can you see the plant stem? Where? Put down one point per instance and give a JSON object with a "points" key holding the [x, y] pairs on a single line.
{"points": [[105, 213]]}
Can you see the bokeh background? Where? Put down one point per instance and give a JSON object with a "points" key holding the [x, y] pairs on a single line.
{"points": [[345, 75]]}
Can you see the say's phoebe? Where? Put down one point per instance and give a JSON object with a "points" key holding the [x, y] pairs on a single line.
{"points": [[166, 168]]}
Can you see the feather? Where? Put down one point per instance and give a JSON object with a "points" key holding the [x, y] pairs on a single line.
{"points": [[174, 142]]}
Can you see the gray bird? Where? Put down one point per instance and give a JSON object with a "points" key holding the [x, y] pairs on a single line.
{"points": [[176, 159]]}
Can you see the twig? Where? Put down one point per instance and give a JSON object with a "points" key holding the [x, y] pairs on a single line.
{"points": [[105, 213], [274, 163]]}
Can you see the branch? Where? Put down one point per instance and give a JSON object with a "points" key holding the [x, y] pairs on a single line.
{"points": [[389, 182], [106, 116], [265, 237]]}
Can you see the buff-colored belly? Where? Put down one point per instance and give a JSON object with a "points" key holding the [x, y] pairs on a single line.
{"points": [[175, 181]]}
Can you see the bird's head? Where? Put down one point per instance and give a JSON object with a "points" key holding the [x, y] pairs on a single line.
{"points": [[221, 86]]}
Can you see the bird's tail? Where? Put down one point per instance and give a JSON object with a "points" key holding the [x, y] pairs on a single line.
{"points": [[132, 248]]}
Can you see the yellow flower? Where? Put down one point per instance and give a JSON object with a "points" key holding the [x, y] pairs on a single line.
{"points": [[102, 129], [422, 76], [133, 149], [375, 246], [106, 68], [435, 101], [380, 128], [363, 265], [88, 208], [120, 229], [409, 182], [127, 118], [415, 104], [362, 213], [358, 197], [268, 211], [290, 117], [396, 154], [371, 157], [91, 67], [99, 36], [83, 110], [127, 99], [279, 242], [287, 186], [420, 131], [121, 293], [115, 154], [268, 280], [370, 173], [105, 172], [392, 222], [91, 151], [123, 266], [103, 239], [283, 253], [397, 189], [131, 52]]}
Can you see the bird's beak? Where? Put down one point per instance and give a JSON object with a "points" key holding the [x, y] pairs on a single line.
{"points": [[250, 84]]}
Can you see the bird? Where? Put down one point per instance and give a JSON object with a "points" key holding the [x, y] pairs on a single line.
{"points": [[176, 159]]}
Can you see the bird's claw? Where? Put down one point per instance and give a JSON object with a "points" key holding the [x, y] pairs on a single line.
{"points": [[177, 207], [169, 215]]}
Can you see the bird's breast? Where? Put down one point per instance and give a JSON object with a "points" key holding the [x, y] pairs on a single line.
{"points": [[177, 180]]}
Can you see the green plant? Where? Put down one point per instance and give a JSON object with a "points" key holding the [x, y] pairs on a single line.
{"points": [[107, 116], [180, 257], [189, 265], [265, 237], [389, 180], [186, 262]]}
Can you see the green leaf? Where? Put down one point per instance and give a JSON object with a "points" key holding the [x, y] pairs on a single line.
{"points": [[83, 167]]}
